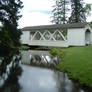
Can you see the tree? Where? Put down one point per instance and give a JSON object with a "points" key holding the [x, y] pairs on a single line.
{"points": [[60, 12], [9, 16], [5, 40], [87, 10], [79, 11]]}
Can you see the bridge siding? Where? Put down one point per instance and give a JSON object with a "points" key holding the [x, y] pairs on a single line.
{"points": [[75, 37]]}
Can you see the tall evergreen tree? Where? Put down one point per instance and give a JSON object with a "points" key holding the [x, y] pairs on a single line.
{"points": [[78, 14], [9, 16], [60, 11]]}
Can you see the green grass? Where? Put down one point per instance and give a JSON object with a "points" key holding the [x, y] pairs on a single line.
{"points": [[24, 48], [77, 62]]}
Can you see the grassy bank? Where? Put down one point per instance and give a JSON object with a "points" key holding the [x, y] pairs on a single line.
{"points": [[77, 61]]}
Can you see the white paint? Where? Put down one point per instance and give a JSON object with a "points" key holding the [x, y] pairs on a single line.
{"points": [[49, 43], [25, 37], [75, 37], [79, 36]]}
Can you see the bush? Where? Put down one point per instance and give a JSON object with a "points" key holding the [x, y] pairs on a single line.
{"points": [[57, 52], [24, 48]]}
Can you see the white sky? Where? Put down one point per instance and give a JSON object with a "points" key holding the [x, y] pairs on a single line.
{"points": [[36, 12]]}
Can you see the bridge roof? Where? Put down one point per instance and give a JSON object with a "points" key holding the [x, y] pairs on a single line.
{"points": [[55, 26]]}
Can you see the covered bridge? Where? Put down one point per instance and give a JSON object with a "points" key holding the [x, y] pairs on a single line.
{"points": [[61, 35]]}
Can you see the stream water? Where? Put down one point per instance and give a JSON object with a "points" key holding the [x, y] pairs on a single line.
{"points": [[33, 71]]}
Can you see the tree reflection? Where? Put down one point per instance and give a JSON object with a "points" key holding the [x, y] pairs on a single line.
{"points": [[10, 70], [64, 84]]}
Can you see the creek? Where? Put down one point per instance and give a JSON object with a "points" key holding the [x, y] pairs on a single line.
{"points": [[34, 71]]}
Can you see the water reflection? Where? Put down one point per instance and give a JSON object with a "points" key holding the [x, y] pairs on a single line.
{"points": [[64, 84], [39, 58], [43, 79], [23, 78], [46, 80], [10, 71]]}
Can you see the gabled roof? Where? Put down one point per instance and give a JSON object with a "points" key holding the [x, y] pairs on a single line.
{"points": [[55, 26]]}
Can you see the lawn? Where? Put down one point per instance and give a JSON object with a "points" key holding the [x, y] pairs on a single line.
{"points": [[77, 62]]}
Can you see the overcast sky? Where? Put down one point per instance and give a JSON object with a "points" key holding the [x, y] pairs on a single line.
{"points": [[38, 12]]}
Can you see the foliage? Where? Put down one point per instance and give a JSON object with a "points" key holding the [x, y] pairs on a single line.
{"points": [[9, 15], [5, 40], [53, 52], [56, 52], [90, 23], [79, 12], [77, 61], [87, 10], [60, 12], [24, 48]]}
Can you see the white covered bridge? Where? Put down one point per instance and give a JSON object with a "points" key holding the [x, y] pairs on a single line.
{"points": [[62, 35]]}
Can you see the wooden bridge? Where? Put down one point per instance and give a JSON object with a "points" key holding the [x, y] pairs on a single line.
{"points": [[55, 35], [45, 36]]}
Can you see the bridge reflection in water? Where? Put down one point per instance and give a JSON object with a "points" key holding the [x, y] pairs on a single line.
{"points": [[40, 58]]}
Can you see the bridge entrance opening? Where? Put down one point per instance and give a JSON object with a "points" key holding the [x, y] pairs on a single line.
{"points": [[87, 37]]}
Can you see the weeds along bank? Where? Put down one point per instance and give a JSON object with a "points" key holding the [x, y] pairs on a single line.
{"points": [[77, 62]]}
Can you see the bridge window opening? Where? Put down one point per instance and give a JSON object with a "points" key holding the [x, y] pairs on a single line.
{"points": [[47, 35], [57, 36], [64, 32], [52, 35], [37, 36], [31, 35]]}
